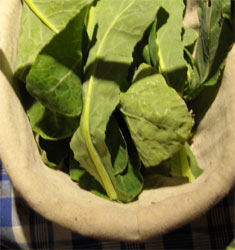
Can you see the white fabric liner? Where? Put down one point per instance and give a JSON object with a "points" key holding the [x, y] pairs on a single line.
{"points": [[54, 195]]}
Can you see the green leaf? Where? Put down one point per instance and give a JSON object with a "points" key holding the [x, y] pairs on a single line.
{"points": [[84, 179], [117, 146], [50, 125], [211, 23], [157, 117], [150, 49], [146, 54], [170, 45], [120, 25], [189, 37], [33, 36], [53, 152], [158, 181], [40, 21], [54, 78], [144, 70], [215, 40], [201, 104], [56, 14], [153, 47], [189, 60], [226, 8], [193, 165], [130, 181], [184, 163]]}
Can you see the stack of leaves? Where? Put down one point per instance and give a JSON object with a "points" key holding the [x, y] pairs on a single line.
{"points": [[112, 90]]}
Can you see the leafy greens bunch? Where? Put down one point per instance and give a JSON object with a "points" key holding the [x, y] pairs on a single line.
{"points": [[110, 84]]}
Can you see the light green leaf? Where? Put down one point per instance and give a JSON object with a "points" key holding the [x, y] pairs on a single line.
{"points": [[54, 78], [120, 25], [189, 37], [184, 163], [153, 48], [150, 50], [170, 45], [40, 21], [146, 54], [157, 117], [144, 70], [33, 36], [193, 165], [50, 125]]}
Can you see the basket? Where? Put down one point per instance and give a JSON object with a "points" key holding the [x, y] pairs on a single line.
{"points": [[54, 195]]}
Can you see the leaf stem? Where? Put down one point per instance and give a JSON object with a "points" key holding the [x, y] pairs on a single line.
{"points": [[39, 15], [92, 151]]}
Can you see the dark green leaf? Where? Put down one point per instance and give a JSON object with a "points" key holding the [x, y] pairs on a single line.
{"points": [[84, 179], [215, 40], [117, 146], [130, 182], [201, 104], [50, 125], [53, 152], [158, 181], [161, 169], [226, 8]]}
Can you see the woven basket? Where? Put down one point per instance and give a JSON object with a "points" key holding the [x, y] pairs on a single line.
{"points": [[55, 196]]}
